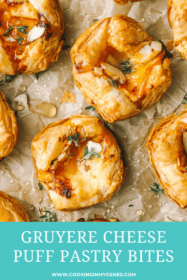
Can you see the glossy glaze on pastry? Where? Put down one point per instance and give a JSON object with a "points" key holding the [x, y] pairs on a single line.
{"points": [[167, 148], [177, 11], [119, 69], [31, 35], [11, 210], [8, 128], [73, 182]]}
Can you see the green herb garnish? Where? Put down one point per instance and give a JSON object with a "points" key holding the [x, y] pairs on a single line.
{"points": [[94, 20], [7, 79], [19, 39], [184, 99], [126, 67], [88, 154], [90, 107], [22, 29], [156, 188], [167, 53], [130, 205], [49, 217], [0, 24], [171, 220], [74, 138], [113, 83], [40, 186], [8, 31]]}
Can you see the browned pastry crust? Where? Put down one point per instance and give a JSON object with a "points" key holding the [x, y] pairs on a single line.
{"points": [[11, 210], [168, 157], [123, 2], [97, 56], [73, 184], [8, 128], [35, 48], [177, 16]]}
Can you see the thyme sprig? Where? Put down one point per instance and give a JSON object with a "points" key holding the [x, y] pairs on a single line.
{"points": [[19, 39], [49, 217], [184, 99], [40, 186], [126, 67], [113, 83], [156, 188], [90, 107], [74, 138], [21, 29], [88, 154]]}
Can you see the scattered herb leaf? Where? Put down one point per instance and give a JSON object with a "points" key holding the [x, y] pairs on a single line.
{"points": [[126, 67], [94, 20], [7, 79], [156, 188], [113, 83], [0, 24], [167, 53], [40, 186], [184, 99], [74, 138], [49, 217], [90, 107], [130, 205], [88, 154]]}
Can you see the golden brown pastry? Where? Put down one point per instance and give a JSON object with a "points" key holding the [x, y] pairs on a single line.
{"points": [[177, 16], [78, 161], [11, 210], [167, 148], [30, 35], [8, 128], [119, 69], [123, 2]]}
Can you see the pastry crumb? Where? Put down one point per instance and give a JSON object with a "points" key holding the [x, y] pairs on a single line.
{"points": [[68, 97]]}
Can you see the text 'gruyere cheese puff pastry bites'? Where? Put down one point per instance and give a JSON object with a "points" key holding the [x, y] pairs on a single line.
{"points": [[11, 210], [78, 161], [167, 146], [177, 16], [8, 128], [122, 2], [119, 69], [30, 35]]}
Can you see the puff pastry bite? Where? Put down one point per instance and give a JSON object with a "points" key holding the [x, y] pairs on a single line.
{"points": [[30, 35], [119, 69], [167, 146], [78, 161], [177, 11], [11, 210], [8, 128], [123, 2]]}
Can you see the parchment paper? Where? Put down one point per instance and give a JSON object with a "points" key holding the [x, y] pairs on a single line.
{"points": [[17, 174]]}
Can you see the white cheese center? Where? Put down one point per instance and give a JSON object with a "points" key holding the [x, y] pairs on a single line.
{"points": [[93, 145], [148, 49], [35, 33]]}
